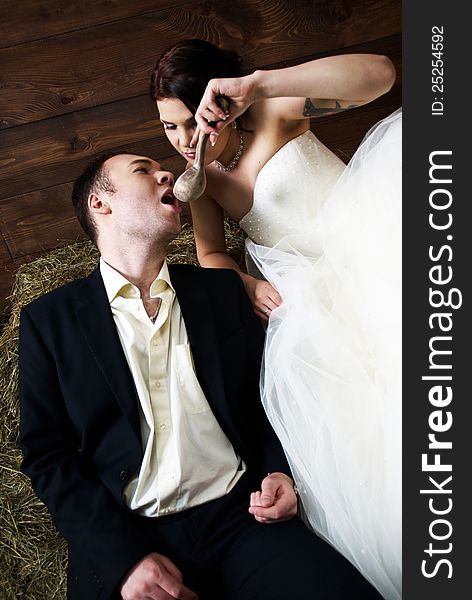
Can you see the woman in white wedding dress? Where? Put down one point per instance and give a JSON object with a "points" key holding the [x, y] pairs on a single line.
{"points": [[326, 240]]}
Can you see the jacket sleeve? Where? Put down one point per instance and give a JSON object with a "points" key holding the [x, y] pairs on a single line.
{"points": [[272, 455], [82, 508]]}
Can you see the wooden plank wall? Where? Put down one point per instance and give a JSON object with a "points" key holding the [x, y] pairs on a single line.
{"points": [[74, 79]]}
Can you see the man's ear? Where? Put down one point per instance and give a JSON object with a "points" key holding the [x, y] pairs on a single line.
{"points": [[97, 204]]}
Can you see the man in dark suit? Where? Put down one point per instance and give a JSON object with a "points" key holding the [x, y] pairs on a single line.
{"points": [[141, 423]]}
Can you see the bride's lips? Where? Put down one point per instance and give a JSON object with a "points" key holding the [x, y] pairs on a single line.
{"points": [[189, 155], [170, 201]]}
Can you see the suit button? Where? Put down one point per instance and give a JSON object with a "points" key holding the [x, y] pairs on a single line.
{"points": [[123, 474]]}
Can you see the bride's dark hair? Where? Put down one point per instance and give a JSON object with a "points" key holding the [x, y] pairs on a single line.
{"points": [[184, 70]]}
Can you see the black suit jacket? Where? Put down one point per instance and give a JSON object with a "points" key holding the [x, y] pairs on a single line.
{"points": [[80, 430]]}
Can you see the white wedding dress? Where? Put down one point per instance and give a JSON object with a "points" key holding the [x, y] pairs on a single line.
{"points": [[329, 239]]}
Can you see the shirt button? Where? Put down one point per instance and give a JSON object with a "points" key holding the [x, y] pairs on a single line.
{"points": [[162, 426], [157, 384], [155, 342]]}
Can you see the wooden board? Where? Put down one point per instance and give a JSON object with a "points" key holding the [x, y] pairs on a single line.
{"points": [[53, 151], [28, 20], [111, 62]]}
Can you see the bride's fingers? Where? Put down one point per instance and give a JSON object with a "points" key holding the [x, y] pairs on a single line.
{"points": [[276, 298], [196, 135], [213, 127], [204, 125], [269, 305], [210, 115], [213, 106], [262, 315], [262, 302], [206, 129], [213, 138]]}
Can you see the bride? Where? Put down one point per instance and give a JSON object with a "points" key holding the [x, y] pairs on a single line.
{"points": [[324, 270]]}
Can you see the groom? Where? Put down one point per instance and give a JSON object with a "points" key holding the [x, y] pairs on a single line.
{"points": [[141, 423]]}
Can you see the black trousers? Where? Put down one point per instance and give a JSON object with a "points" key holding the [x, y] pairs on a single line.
{"points": [[225, 554]]}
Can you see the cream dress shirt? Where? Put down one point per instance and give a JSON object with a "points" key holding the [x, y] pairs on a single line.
{"points": [[188, 459]]}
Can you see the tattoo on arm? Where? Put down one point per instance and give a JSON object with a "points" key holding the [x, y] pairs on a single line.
{"points": [[310, 110]]}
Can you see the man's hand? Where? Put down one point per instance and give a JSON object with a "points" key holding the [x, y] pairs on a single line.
{"points": [[276, 501], [155, 577]]}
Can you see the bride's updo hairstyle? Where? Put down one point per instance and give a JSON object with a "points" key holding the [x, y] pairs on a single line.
{"points": [[184, 70]]}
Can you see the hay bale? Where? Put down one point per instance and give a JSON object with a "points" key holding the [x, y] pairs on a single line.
{"points": [[33, 556]]}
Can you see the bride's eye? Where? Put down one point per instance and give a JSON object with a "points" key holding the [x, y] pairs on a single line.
{"points": [[169, 126]]}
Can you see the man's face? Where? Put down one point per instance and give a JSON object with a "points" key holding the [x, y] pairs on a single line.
{"points": [[142, 203]]}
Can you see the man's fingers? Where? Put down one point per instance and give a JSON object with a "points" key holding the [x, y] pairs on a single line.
{"points": [[173, 570], [177, 589], [256, 499], [272, 513], [264, 520], [267, 496], [171, 581], [258, 513], [186, 594], [266, 500], [155, 577], [269, 489], [276, 501]]}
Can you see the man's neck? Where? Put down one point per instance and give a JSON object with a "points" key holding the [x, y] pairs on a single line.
{"points": [[139, 268]]}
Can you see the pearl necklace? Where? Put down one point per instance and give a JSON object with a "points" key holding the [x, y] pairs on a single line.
{"points": [[236, 157]]}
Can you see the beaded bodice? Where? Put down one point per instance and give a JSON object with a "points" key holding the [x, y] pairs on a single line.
{"points": [[289, 192]]}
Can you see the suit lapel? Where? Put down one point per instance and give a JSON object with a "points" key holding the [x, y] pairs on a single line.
{"points": [[96, 320], [194, 304]]}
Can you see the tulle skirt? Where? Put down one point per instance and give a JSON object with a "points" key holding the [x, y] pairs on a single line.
{"points": [[331, 379]]}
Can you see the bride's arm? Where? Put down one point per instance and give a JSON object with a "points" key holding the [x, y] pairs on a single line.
{"points": [[315, 88], [326, 85], [208, 226]]}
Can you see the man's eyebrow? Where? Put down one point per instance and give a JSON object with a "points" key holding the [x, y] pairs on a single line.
{"points": [[145, 161]]}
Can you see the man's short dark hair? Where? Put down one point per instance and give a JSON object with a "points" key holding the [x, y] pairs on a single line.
{"points": [[93, 178]]}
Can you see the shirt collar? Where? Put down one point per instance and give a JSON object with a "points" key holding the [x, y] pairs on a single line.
{"points": [[117, 285]]}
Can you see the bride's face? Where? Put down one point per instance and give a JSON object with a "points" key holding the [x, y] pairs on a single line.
{"points": [[179, 125]]}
